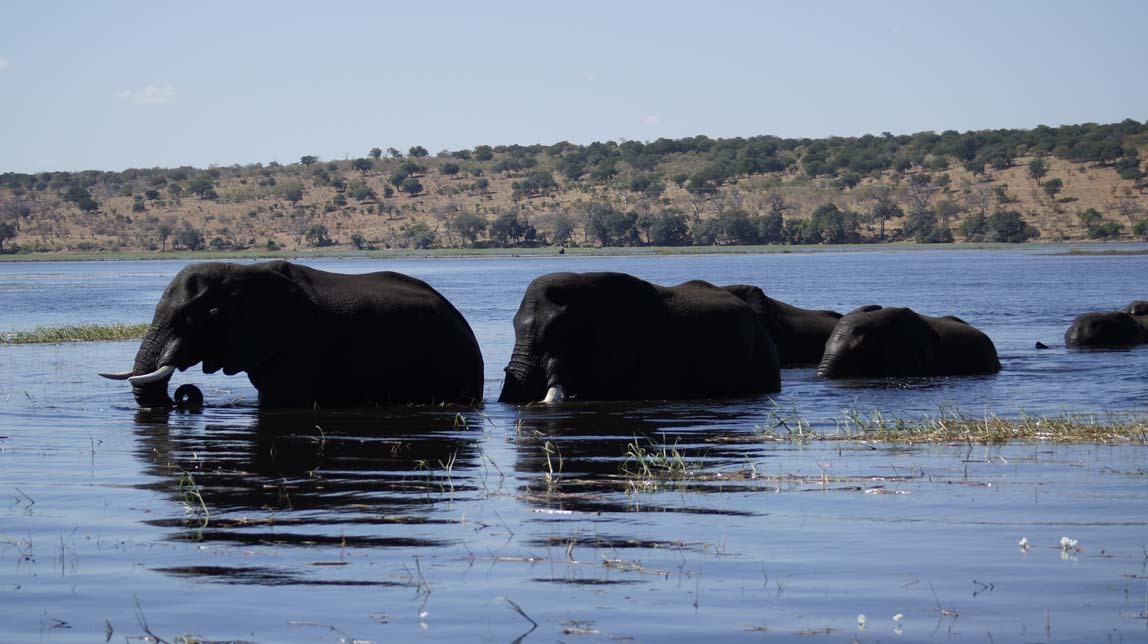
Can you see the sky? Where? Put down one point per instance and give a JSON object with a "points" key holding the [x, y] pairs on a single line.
{"points": [[103, 85]]}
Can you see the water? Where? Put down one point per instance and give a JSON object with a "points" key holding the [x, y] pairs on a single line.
{"points": [[429, 525]]}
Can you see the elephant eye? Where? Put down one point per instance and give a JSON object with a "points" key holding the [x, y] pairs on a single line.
{"points": [[214, 312]]}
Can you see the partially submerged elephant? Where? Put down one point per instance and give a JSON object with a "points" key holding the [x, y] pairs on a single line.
{"points": [[1124, 328], [873, 341], [800, 334], [612, 336], [307, 337]]}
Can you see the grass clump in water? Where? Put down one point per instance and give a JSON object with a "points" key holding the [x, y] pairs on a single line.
{"points": [[953, 425], [76, 333]]}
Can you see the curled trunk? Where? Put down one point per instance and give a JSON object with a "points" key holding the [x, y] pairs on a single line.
{"points": [[525, 380], [152, 350]]}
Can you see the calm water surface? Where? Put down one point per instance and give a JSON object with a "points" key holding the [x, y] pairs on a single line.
{"points": [[435, 525]]}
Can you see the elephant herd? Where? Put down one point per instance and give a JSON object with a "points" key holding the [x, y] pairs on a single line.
{"points": [[310, 338]]}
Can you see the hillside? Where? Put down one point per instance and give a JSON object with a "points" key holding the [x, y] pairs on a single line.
{"points": [[1049, 184]]}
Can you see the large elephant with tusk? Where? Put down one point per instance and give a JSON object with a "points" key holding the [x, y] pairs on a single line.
{"points": [[613, 336], [307, 337]]}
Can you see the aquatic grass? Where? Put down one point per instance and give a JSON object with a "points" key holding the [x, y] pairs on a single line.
{"points": [[76, 333], [656, 462], [954, 425]]}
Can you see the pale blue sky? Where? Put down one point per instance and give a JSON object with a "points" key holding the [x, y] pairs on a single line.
{"points": [[112, 85]]}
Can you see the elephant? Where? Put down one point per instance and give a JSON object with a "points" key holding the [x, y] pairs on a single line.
{"points": [[874, 341], [1124, 328], [308, 338], [799, 334], [613, 336]]}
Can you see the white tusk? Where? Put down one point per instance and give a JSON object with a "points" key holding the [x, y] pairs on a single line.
{"points": [[554, 394], [118, 375], [163, 373]]}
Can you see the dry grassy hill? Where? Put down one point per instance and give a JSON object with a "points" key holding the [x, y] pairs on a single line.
{"points": [[359, 203]]}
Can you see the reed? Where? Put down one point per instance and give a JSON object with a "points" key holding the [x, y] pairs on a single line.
{"points": [[954, 425], [76, 333]]}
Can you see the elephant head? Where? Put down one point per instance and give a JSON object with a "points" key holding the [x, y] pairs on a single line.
{"points": [[1115, 329], [583, 335], [877, 341], [228, 316], [1137, 308]]}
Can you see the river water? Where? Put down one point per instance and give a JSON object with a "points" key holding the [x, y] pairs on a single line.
{"points": [[431, 524]]}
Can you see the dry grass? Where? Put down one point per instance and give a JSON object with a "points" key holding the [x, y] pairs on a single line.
{"points": [[76, 333], [951, 425]]}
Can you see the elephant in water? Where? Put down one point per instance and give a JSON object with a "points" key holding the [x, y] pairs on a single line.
{"points": [[873, 341], [800, 334], [308, 338], [612, 336], [1116, 329]]}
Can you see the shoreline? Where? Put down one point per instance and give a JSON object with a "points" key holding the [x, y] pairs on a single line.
{"points": [[1065, 248]]}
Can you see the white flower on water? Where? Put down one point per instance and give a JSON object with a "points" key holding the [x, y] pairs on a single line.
{"points": [[1023, 543], [1067, 544], [897, 618], [861, 621]]}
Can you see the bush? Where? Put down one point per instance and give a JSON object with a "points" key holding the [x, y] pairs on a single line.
{"points": [[1008, 226]]}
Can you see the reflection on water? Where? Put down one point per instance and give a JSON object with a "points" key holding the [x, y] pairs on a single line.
{"points": [[663, 521]]}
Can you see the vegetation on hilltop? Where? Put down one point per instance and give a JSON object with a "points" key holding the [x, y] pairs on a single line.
{"points": [[1069, 182]]}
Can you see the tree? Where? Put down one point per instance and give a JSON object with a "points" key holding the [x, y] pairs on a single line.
{"points": [[1129, 209], [308, 160], [7, 231], [188, 237], [418, 152], [317, 236], [376, 153], [449, 170], [507, 229], [563, 229], [419, 235], [293, 192], [363, 165], [884, 209], [669, 228], [1052, 187], [1009, 227], [411, 186], [164, 230], [1037, 170], [468, 226], [398, 177]]}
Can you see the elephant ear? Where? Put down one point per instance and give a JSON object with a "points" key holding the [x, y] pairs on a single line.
{"points": [[269, 311]]}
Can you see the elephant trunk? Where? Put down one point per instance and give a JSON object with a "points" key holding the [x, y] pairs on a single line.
{"points": [[153, 354], [525, 380]]}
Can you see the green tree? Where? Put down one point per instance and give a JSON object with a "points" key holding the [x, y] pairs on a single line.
{"points": [[669, 228], [7, 231], [293, 192], [376, 153], [398, 177], [468, 226], [1009, 227], [1037, 170], [450, 170], [1052, 187], [507, 229], [188, 237], [418, 152], [563, 229], [1141, 229], [362, 165], [419, 235], [308, 160], [317, 236], [411, 186]]}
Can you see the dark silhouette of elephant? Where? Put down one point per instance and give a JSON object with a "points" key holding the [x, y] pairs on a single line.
{"points": [[612, 336], [307, 337], [800, 334], [1124, 328], [873, 341]]}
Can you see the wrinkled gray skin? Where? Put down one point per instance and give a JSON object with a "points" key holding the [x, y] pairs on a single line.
{"points": [[800, 334], [897, 342], [1115, 329], [612, 336], [307, 337]]}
